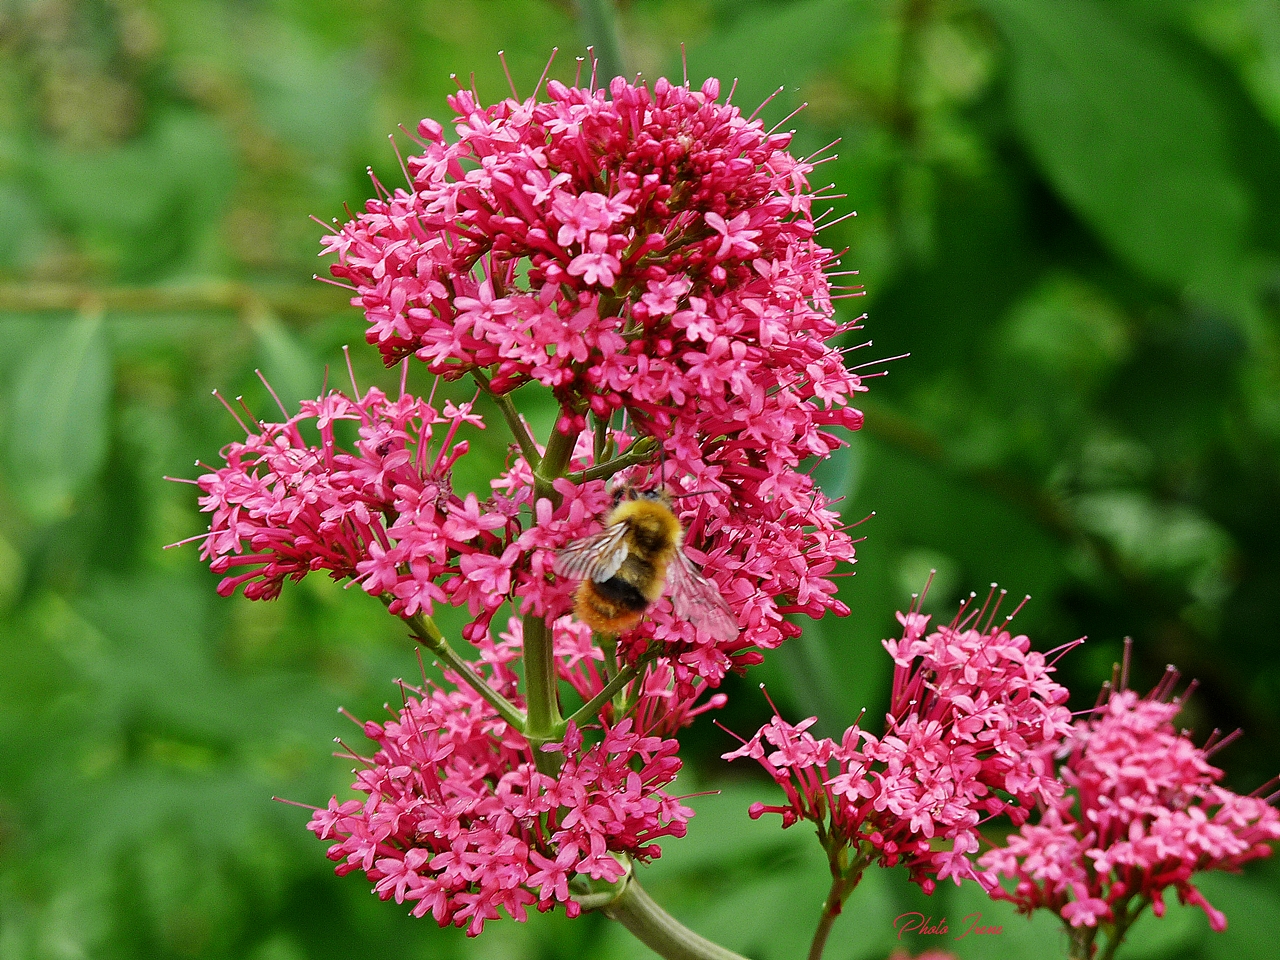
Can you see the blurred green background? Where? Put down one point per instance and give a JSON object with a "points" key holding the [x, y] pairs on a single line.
{"points": [[1068, 214]]}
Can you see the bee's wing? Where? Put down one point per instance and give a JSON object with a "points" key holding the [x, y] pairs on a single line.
{"points": [[696, 599], [596, 557]]}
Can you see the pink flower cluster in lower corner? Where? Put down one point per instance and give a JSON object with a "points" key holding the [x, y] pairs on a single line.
{"points": [[973, 723], [459, 822], [1144, 813]]}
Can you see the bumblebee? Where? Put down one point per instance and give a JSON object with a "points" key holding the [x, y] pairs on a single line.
{"points": [[627, 566]]}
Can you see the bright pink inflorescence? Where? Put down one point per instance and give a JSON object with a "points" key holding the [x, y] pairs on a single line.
{"points": [[1143, 814], [460, 823], [648, 255], [650, 251], [291, 499], [971, 730]]}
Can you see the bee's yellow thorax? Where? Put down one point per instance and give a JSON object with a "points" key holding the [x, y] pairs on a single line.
{"points": [[654, 531]]}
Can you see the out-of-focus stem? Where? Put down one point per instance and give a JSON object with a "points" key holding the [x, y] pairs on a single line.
{"points": [[1080, 942], [425, 629], [658, 930], [600, 26], [1125, 918]]}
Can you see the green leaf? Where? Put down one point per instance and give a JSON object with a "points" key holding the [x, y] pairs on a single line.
{"points": [[1127, 136], [57, 435]]}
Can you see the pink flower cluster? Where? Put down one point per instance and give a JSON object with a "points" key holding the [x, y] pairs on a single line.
{"points": [[385, 515], [460, 823], [634, 248], [972, 726], [291, 499], [650, 251], [1143, 815]]}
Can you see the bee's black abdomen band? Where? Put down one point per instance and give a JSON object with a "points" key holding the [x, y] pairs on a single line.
{"points": [[622, 593]]}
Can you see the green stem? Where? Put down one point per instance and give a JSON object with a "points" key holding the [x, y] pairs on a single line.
{"points": [[658, 930], [842, 885], [600, 24], [554, 462], [528, 449], [425, 629], [616, 683], [638, 452], [542, 694], [1080, 942], [600, 440], [1127, 917]]}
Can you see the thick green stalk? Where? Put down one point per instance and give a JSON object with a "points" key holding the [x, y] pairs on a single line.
{"points": [[542, 696], [658, 930], [554, 463], [841, 886]]}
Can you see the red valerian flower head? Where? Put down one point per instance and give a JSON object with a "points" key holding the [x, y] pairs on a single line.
{"points": [[459, 822], [645, 250], [628, 247], [1143, 814], [973, 723], [292, 499], [384, 513]]}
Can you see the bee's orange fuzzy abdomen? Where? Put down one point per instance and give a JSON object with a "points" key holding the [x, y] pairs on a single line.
{"points": [[602, 614]]}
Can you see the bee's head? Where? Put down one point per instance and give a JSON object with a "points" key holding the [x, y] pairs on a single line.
{"points": [[629, 491]]}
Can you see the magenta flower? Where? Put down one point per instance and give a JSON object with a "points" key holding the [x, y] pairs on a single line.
{"points": [[973, 723], [650, 251], [459, 822], [385, 515], [650, 257], [1144, 813], [283, 507]]}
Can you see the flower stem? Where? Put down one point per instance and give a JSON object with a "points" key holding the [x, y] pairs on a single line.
{"points": [[600, 24], [658, 930], [542, 694], [620, 679], [638, 452], [553, 464], [425, 629], [519, 430], [841, 886], [1080, 942]]}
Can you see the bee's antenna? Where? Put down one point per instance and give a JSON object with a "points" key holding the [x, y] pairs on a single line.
{"points": [[695, 493]]}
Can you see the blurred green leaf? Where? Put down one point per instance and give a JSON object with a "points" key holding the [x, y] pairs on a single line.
{"points": [[58, 417], [148, 204], [1127, 136], [1252, 909]]}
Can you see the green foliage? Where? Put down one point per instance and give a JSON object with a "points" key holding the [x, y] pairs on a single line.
{"points": [[1068, 214]]}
